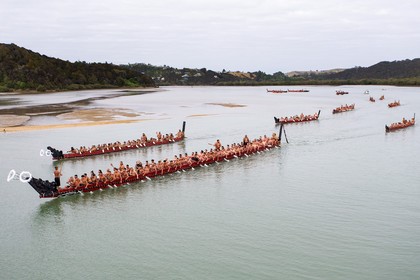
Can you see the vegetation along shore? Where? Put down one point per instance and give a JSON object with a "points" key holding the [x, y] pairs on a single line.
{"points": [[24, 70]]}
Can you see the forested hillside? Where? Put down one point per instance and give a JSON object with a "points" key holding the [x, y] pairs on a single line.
{"points": [[404, 72], [22, 69], [165, 75]]}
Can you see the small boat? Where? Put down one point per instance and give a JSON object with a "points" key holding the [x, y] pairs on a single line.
{"points": [[297, 90], [382, 97], [342, 109], [341, 92], [129, 145], [371, 99], [394, 104], [366, 92], [47, 189], [276, 91], [297, 119], [400, 125]]}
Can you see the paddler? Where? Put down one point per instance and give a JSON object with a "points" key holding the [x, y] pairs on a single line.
{"points": [[245, 140], [57, 175], [217, 145]]}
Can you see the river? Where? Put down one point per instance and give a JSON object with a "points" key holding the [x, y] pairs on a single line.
{"points": [[341, 200]]}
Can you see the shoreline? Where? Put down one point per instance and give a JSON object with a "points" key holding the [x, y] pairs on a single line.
{"points": [[23, 128], [125, 89]]}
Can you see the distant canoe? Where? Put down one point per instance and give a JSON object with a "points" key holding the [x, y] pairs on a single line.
{"points": [[297, 90], [276, 91], [340, 92], [394, 104], [343, 109], [307, 118], [401, 125]]}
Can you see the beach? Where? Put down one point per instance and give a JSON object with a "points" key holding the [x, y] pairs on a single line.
{"points": [[68, 125], [63, 114]]}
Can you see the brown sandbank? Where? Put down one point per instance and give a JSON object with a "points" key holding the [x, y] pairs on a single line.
{"points": [[200, 115], [13, 120], [97, 114], [229, 105], [67, 125]]}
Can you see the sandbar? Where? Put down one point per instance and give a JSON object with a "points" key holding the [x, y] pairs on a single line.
{"points": [[97, 114], [13, 120], [229, 105], [200, 115], [67, 125]]}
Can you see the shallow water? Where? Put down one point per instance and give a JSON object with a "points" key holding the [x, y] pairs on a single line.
{"points": [[340, 201]]}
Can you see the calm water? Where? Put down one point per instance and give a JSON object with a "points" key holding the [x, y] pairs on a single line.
{"points": [[340, 201]]}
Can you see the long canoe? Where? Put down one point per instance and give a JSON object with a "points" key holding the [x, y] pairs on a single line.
{"points": [[276, 91], [394, 104], [401, 125], [278, 121], [47, 189], [298, 90], [59, 155], [344, 109]]}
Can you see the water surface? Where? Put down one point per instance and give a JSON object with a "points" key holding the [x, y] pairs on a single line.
{"points": [[340, 201]]}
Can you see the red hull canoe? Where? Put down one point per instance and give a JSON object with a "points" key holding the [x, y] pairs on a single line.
{"points": [[36, 183], [342, 110], [115, 150], [389, 129], [298, 90], [276, 91], [59, 155], [279, 121], [401, 125], [394, 104]]}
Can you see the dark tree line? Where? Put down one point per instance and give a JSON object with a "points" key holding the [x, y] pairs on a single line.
{"points": [[165, 75], [22, 69]]}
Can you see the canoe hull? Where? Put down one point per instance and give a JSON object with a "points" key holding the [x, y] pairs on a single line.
{"points": [[48, 189], [278, 121], [58, 155]]}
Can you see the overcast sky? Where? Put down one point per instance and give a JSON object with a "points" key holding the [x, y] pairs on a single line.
{"points": [[245, 35]]}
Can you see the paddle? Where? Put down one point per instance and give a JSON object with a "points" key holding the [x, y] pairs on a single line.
{"points": [[183, 127], [280, 132], [285, 136]]}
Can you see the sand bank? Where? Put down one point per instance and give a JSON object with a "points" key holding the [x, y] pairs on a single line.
{"points": [[97, 114], [67, 125], [13, 120], [229, 105], [200, 115]]}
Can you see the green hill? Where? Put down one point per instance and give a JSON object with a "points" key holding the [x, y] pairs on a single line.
{"points": [[165, 75], [22, 69], [382, 70], [404, 72]]}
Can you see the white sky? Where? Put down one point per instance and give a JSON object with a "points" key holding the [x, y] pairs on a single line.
{"points": [[245, 35]]}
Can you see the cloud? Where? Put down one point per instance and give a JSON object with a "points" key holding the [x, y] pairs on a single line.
{"points": [[246, 35]]}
